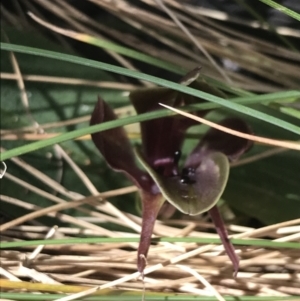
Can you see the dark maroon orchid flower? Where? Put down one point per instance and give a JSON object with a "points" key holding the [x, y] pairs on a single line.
{"points": [[193, 189]]}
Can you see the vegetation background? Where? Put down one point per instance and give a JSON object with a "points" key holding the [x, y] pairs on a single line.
{"points": [[57, 60]]}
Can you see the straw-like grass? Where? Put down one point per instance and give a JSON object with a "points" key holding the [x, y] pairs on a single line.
{"points": [[89, 260]]}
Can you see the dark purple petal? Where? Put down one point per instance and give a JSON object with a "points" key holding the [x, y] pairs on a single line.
{"points": [[193, 191], [115, 147], [219, 224], [162, 137], [151, 206], [214, 140]]}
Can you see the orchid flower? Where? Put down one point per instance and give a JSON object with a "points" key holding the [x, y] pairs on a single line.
{"points": [[193, 189]]}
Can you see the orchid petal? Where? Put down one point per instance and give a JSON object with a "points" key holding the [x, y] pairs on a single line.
{"points": [[201, 191], [115, 147], [162, 137], [217, 141]]}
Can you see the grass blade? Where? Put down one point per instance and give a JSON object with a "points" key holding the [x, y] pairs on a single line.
{"points": [[159, 81], [282, 8]]}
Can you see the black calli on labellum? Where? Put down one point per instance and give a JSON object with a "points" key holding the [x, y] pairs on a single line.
{"points": [[194, 189]]}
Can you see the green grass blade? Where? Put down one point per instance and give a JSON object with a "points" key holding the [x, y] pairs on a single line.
{"points": [[248, 242], [153, 61], [161, 82], [72, 135], [131, 53], [139, 118], [282, 8], [263, 21]]}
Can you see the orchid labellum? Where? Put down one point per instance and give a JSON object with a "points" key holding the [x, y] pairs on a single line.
{"points": [[193, 189]]}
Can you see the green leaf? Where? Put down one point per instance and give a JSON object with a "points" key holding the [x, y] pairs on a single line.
{"points": [[267, 190]]}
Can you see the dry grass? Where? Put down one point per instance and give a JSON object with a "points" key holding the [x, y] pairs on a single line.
{"points": [[176, 267], [203, 270], [190, 37], [172, 267]]}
